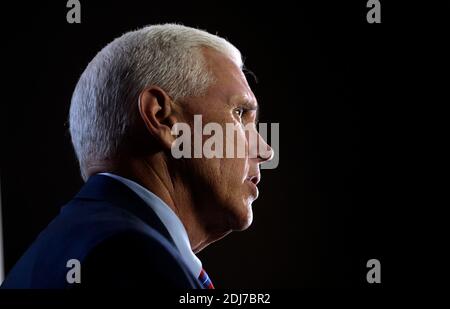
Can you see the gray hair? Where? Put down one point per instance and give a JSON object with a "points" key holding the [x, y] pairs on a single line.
{"points": [[104, 103]]}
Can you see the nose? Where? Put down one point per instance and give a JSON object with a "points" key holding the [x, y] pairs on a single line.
{"points": [[265, 152]]}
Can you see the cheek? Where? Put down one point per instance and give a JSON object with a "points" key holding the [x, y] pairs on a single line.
{"points": [[224, 176], [233, 173]]}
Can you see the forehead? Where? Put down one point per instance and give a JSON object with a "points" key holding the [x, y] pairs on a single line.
{"points": [[230, 80]]}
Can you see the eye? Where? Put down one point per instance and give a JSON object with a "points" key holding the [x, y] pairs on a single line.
{"points": [[239, 112]]}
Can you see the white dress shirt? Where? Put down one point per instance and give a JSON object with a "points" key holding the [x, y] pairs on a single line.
{"points": [[170, 220]]}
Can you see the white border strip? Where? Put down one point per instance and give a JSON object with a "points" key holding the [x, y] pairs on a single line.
{"points": [[2, 272]]}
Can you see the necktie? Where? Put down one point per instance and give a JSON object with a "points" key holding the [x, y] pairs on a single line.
{"points": [[205, 281]]}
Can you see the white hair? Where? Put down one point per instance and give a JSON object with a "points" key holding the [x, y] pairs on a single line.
{"points": [[104, 103]]}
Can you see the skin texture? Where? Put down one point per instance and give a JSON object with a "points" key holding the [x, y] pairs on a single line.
{"points": [[212, 197]]}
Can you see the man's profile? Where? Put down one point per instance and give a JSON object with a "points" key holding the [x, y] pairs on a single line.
{"points": [[142, 214]]}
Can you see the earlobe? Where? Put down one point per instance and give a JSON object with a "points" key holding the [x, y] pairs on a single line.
{"points": [[155, 109]]}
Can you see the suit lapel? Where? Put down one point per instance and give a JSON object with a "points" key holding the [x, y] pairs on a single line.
{"points": [[105, 188]]}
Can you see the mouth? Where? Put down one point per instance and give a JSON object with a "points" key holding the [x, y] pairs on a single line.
{"points": [[254, 179], [252, 182]]}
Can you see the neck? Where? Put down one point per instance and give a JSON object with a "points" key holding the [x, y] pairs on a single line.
{"points": [[154, 174]]}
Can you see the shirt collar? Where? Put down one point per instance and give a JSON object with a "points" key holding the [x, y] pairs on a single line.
{"points": [[170, 220]]}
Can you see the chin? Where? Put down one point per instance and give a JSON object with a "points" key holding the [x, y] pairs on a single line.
{"points": [[244, 225], [243, 219]]}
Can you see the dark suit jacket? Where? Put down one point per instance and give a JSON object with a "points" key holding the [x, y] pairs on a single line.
{"points": [[118, 239]]}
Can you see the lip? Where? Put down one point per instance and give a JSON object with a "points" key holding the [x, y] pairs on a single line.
{"points": [[254, 179], [253, 188]]}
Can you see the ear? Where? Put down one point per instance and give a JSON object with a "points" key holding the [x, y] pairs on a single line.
{"points": [[155, 109]]}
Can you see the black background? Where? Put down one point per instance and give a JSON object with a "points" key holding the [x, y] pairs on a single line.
{"points": [[343, 91]]}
